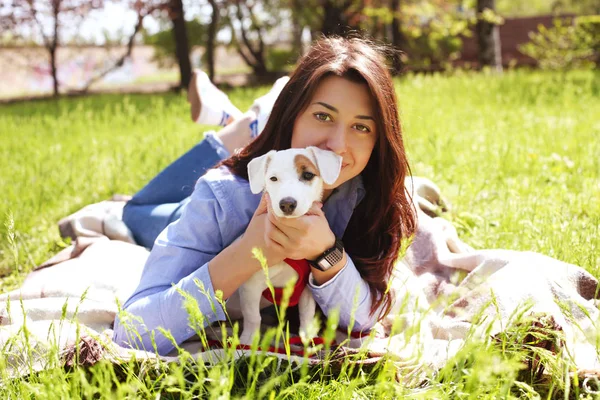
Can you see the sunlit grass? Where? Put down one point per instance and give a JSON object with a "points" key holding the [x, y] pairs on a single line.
{"points": [[516, 155]]}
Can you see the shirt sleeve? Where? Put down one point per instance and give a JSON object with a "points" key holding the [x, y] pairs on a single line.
{"points": [[348, 292], [178, 262]]}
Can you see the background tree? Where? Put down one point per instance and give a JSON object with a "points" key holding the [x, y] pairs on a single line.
{"points": [[164, 42], [424, 34], [211, 38], [512, 8], [339, 16], [248, 38], [56, 23], [182, 49], [397, 36], [298, 24], [383, 19], [48, 22], [488, 35], [172, 11], [142, 9]]}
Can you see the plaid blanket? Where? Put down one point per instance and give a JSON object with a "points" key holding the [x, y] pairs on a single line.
{"points": [[445, 293]]}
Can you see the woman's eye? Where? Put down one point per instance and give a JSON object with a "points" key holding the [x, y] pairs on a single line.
{"points": [[322, 116], [307, 176], [363, 128], [273, 179]]}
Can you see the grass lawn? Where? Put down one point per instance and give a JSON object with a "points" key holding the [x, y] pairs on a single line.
{"points": [[518, 156]]}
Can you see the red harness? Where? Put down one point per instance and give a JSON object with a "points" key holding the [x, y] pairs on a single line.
{"points": [[303, 269]]}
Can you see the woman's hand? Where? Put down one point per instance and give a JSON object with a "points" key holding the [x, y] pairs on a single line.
{"points": [[235, 264], [306, 237], [258, 231]]}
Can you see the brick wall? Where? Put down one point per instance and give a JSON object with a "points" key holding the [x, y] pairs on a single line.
{"points": [[513, 32]]}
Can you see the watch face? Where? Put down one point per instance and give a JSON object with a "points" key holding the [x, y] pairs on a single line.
{"points": [[324, 264], [330, 257]]}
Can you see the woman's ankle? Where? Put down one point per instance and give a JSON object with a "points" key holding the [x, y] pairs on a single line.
{"points": [[238, 133]]}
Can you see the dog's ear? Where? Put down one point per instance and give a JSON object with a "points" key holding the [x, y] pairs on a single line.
{"points": [[256, 172], [328, 162]]}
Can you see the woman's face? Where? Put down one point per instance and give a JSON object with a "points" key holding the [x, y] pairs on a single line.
{"points": [[339, 118]]}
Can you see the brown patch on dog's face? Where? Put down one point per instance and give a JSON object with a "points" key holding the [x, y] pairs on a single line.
{"points": [[305, 168]]}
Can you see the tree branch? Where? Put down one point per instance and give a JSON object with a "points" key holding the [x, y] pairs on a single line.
{"points": [[34, 16], [240, 51], [258, 29], [121, 61], [240, 16]]}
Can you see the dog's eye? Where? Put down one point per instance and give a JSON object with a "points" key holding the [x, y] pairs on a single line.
{"points": [[307, 176], [273, 179]]}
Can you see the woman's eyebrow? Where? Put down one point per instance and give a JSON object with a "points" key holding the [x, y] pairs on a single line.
{"points": [[328, 106], [365, 117], [332, 108]]}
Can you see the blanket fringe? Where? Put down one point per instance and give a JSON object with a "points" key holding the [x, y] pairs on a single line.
{"points": [[83, 354]]}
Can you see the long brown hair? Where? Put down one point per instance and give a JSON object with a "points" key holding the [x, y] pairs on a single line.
{"points": [[385, 216]]}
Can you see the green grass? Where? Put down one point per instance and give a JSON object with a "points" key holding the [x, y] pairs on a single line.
{"points": [[516, 155]]}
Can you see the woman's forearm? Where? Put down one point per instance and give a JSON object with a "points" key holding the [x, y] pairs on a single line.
{"points": [[233, 266], [165, 307], [347, 292]]}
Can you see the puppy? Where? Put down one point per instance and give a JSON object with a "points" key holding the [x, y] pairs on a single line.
{"points": [[294, 179]]}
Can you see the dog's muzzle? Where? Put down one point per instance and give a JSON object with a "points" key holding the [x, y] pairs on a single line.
{"points": [[287, 205]]}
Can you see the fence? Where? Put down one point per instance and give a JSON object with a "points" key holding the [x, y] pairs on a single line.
{"points": [[514, 32]]}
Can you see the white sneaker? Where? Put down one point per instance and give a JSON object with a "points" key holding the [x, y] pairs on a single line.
{"points": [[208, 104], [264, 104]]}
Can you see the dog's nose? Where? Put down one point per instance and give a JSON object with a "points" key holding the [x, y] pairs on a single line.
{"points": [[288, 205]]}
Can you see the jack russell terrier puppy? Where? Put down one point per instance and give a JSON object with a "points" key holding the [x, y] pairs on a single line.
{"points": [[294, 179]]}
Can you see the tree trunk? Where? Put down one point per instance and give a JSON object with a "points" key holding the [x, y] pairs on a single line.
{"points": [[297, 27], [212, 35], [253, 55], [182, 51], [52, 48], [488, 38], [398, 39], [334, 20], [260, 70], [54, 71]]}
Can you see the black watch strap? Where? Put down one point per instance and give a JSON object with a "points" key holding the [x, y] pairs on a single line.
{"points": [[330, 257]]}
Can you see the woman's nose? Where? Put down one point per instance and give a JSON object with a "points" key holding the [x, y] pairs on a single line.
{"points": [[337, 142]]}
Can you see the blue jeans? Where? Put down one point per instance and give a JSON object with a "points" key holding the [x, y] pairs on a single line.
{"points": [[161, 201]]}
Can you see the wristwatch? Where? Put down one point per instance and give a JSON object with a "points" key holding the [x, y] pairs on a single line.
{"points": [[330, 257]]}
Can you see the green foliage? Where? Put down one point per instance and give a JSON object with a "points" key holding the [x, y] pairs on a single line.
{"points": [[436, 42], [280, 59], [565, 45], [164, 42], [511, 8], [431, 30], [589, 26]]}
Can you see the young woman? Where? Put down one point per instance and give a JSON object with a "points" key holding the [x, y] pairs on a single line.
{"points": [[340, 98]]}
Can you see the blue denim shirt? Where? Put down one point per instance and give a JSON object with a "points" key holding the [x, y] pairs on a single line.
{"points": [[217, 213]]}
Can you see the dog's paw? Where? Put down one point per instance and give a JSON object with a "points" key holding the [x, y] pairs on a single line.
{"points": [[246, 338]]}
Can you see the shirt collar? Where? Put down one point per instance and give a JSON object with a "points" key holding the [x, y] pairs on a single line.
{"points": [[341, 203]]}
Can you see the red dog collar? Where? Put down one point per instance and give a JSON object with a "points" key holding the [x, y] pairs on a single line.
{"points": [[303, 269]]}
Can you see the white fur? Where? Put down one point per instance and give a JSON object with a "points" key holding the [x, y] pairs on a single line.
{"points": [[280, 164]]}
